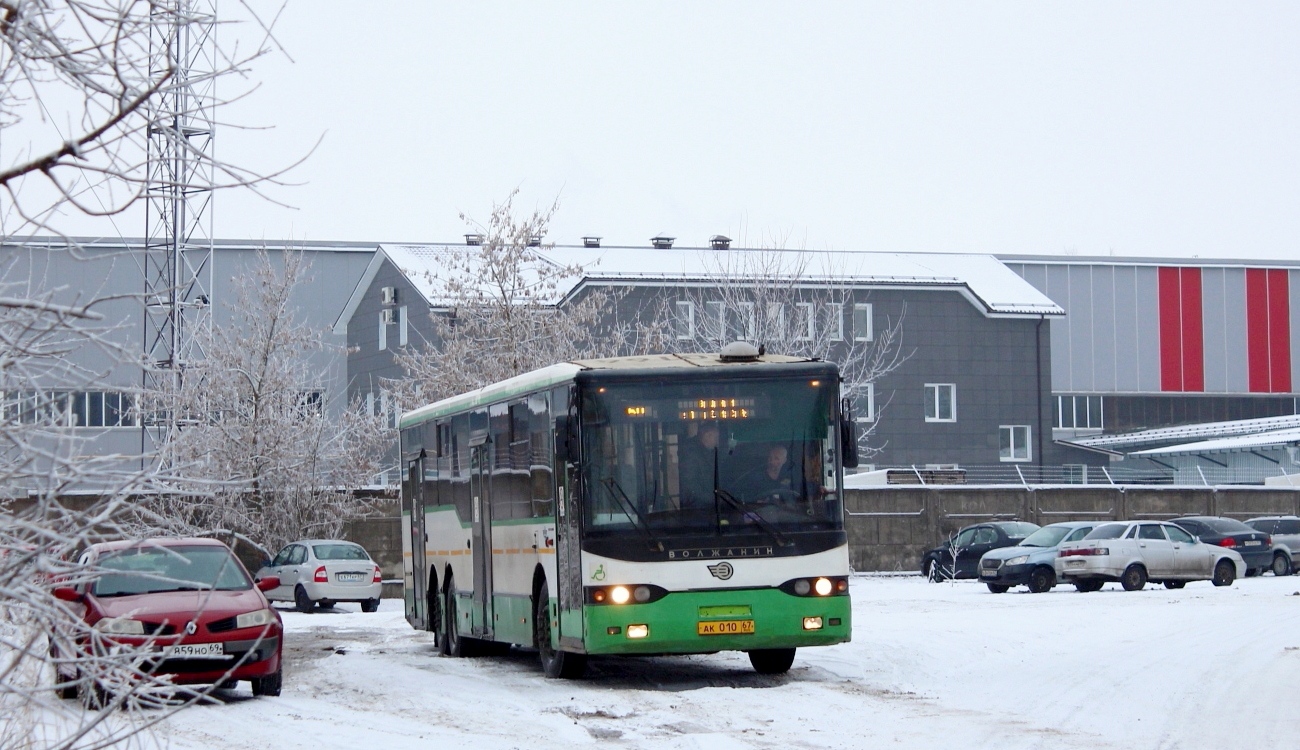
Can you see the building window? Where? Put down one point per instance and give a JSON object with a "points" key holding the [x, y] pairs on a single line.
{"points": [[862, 324], [685, 320], [940, 402], [750, 320], [803, 321], [383, 329], [1079, 412], [401, 326], [865, 409], [1013, 443], [717, 321], [775, 320], [835, 321]]}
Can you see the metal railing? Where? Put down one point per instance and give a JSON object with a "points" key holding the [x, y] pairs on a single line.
{"points": [[1034, 475]]}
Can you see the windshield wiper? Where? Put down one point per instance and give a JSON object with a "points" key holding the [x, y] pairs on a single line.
{"points": [[757, 517], [635, 516]]}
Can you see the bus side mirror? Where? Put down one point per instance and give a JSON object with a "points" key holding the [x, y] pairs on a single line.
{"points": [[848, 436], [566, 438]]}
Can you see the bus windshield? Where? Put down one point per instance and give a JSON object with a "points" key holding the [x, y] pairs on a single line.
{"points": [[710, 457]]}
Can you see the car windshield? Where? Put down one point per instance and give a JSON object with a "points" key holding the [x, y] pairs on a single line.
{"points": [[1048, 536], [339, 552], [151, 570], [710, 457], [1108, 531]]}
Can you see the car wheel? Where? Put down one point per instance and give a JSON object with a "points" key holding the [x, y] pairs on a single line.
{"points": [[269, 685], [998, 588], [301, 600], [934, 571], [772, 660], [555, 663], [370, 605], [1175, 584], [1134, 578], [67, 689], [1281, 565], [1088, 585], [94, 696], [1252, 572], [1224, 573], [1041, 580]]}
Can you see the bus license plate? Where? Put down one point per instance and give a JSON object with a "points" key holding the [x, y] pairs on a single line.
{"points": [[198, 651], [726, 627]]}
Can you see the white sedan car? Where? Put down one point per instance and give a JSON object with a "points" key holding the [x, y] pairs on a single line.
{"points": [[1134, 552], [324, 571]]}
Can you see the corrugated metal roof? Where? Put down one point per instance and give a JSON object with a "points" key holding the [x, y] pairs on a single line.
{"points": [[1237, 444], [989, 283], [1204, 430]]}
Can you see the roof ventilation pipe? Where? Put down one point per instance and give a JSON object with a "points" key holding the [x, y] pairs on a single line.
{"points": [[473, 240], [720, 242], [591, 242], [660, 242]]}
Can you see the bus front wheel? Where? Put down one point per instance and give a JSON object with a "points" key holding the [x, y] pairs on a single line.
{"points": [[772, 660], [555, 663], [451, 645]]}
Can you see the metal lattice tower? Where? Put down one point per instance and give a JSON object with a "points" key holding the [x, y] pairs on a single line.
{"points": [[178, 253]]}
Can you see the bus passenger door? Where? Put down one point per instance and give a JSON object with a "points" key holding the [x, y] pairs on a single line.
{"points": [[481, 536], [419, 603]]}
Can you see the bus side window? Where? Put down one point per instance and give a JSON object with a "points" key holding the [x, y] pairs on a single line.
{"points": [[540, 448]]}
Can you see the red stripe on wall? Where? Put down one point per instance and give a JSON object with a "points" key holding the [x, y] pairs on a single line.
{"points": [[1171, 340], [1279, 331], [1257, 331], [1193, 334]]}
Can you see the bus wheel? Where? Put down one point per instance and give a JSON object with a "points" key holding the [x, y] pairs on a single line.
{"points": [[772, 660], [452, 645], [561, 664]]}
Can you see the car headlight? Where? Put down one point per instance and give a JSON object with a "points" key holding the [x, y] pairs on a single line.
{"points": [[254, 619], [120, 626], [1018, 560]]}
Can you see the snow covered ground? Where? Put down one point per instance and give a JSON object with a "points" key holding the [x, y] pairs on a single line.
{"points": [[930, 666]]}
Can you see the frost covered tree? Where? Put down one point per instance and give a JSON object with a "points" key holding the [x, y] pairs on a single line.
{"points": [[785, 302], [80, 86], [261, 455], [500, 313]]}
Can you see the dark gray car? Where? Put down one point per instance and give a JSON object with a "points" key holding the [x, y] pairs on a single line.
{"points": [[1030, 563]]}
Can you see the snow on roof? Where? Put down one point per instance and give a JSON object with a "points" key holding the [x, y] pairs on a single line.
{"points": [[989, 284], [1204, 430], [1237, 444]]}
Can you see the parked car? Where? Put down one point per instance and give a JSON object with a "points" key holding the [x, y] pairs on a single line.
{"points": [[1134, 552], [189, 598], [1254, 546], [1032, 562], [324, 572], [1285, 531], [970, 544]]}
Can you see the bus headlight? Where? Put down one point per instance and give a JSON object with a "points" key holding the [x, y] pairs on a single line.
{"points": [[628, 593], [638, 631], [812, 623], [620, 595], [820, 586]]}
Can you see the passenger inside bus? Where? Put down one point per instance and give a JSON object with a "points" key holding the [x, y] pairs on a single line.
{"points": [[698, 459]]}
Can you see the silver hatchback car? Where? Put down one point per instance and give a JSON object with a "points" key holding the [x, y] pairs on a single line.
{"points": [[324, 571], [1285, 531]]}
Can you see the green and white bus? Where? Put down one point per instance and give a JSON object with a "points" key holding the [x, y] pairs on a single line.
{"points": [[670, 504]]}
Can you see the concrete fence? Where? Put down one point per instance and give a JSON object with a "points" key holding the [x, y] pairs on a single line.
{"points": [[890, 527]]}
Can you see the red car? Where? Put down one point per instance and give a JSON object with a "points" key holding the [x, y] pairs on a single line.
{"points": [[189, 600]]}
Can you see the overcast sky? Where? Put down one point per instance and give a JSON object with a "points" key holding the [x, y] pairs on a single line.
{"points": [[1154, 128]]}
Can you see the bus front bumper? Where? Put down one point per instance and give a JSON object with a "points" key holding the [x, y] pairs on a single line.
{"points": [[694, 622]]}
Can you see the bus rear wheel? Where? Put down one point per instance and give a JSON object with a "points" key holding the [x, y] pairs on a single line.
{"points": [[772, 660], [555, 663], [452, 644]]}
